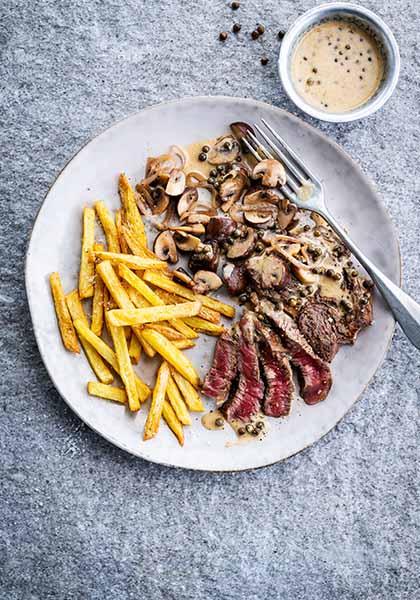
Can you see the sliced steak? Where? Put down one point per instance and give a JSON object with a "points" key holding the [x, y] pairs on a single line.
{"points": [[315, 374], [318, 322], [277, 373], [235, 278], [267, 272], [220, 228], [223, 370], [246, 401]]}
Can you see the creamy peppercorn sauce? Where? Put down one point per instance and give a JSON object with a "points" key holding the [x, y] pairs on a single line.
{"points": [[337, 66]]}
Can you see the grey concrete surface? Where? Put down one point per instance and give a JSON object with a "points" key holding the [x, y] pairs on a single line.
{"points": [[81, 519]]}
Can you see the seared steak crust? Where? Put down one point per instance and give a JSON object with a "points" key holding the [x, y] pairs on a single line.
{"points": [[314, 373], [246, 400], [219, 379], [277, 373], [318, 322]]}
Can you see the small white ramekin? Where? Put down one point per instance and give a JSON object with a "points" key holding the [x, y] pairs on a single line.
{"points": [[360, 15]]}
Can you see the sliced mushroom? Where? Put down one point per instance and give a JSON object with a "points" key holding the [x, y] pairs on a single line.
{"points": [[267, 272], [160, 200], [195, 229], [180, 154], [165, 248], [242, 248], [206, 281], [225, 150], [258, 219], [271, 171], [183, 276], [195, 178], [262, 196], [286, 214], [187, 242], [189, 196], [176, 183], [232, 187], [304, 275], [206, 258], [159, 166], [236, 213], [142, 204]]}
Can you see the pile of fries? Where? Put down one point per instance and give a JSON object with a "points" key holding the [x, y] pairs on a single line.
{"points": [[136, 307]]}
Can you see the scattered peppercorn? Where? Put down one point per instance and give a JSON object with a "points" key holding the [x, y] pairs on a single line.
{"points": [[219, 422], [317, 233], [205, 149], [213, 173], [264, 60], [249, 428], [255, 35], [243, 298], [241, 431], [353, 273], [223, 36], [368, 284], [259, 425], [260, 29], [211, 180], [306, 228], [236, 28], [235, 5], [202, 156], [281, 34]]}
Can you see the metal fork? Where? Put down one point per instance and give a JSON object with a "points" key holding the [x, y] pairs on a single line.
{"points": [[405, 310]]}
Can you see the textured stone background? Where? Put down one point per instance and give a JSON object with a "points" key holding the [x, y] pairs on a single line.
{"points": [[81, 519]]}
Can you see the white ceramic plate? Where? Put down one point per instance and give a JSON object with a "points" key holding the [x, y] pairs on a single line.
{"points": [[55, 246]]}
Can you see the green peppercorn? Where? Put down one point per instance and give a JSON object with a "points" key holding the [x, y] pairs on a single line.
{"points": [[329, 273], [243, 298], [241, 431], [223, 36], [227, 146], [259, 425], [249, 428], [220, 168], [219, 422], [202, 156], [317, 233], [353, 273], [213, 173], [292, 301], [306, 228], [205, 149], [217, 185], [260, 29], [255, 35], [336, 276]]}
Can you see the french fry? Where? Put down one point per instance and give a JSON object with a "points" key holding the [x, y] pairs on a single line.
{"points": [[125, 366], [183, 344], [158, 398], [141, 316], [109, 392], [188, 392], [76, 311], [87, 268], [172, 421], [167, 331], [134, 243], [109, 355], [204, 326], [108, 225], [134, 349], [119, 226], [177, 403], [134, 262], [172, 354], [140, 286], [97, 321], [168, 285], [65, 323], [205, 313], [131, 211], [119, 294]]}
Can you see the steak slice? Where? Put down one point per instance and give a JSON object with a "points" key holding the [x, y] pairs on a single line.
{"points": [[223, 370], [277, 374], [314, 373], [246, 401], [318, 322]]}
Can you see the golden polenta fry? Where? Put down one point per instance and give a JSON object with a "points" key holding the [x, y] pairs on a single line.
{"points": [[121, 239], [132, 214], [168, 285], [109, 355], [134, 262], [100, 369], [172, 421], [177, 403], [108, 225], [204, 326], [109, 392], [141, 316], [97, 321], [134, 349], [65, 323], [87, 268], [158, 398], [125, 367], [188, 392], [172, 354], [146, 291]]}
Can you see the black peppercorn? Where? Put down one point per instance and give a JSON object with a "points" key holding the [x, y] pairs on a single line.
{"points": [[219, 422], [211, 180], [235, 5], [281, 34], [241, 431], [249, 428], [260, 29], [213, 173], [223, 36], [205, 148], [255, 35], [202, 156], [236, 28], [264, 60]]}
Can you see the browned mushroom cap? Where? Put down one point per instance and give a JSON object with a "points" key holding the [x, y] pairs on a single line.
{"points": [[164, 247], [187, 242], [189, 196], [182, 275], [286, 214], [206, 281], [232, 187], [267, 271], [176, 183], [159, 166], [160, 200], [225, 150], [242, 248], [271, 171]]}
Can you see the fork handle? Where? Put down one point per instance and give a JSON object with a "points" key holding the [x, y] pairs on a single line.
{"points": [[405, 310]]}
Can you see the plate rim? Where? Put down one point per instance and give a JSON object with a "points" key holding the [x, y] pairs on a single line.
{"points": [[217, 98]]}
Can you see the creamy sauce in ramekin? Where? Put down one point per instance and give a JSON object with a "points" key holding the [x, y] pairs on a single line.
{"points": [[337, 66]]}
